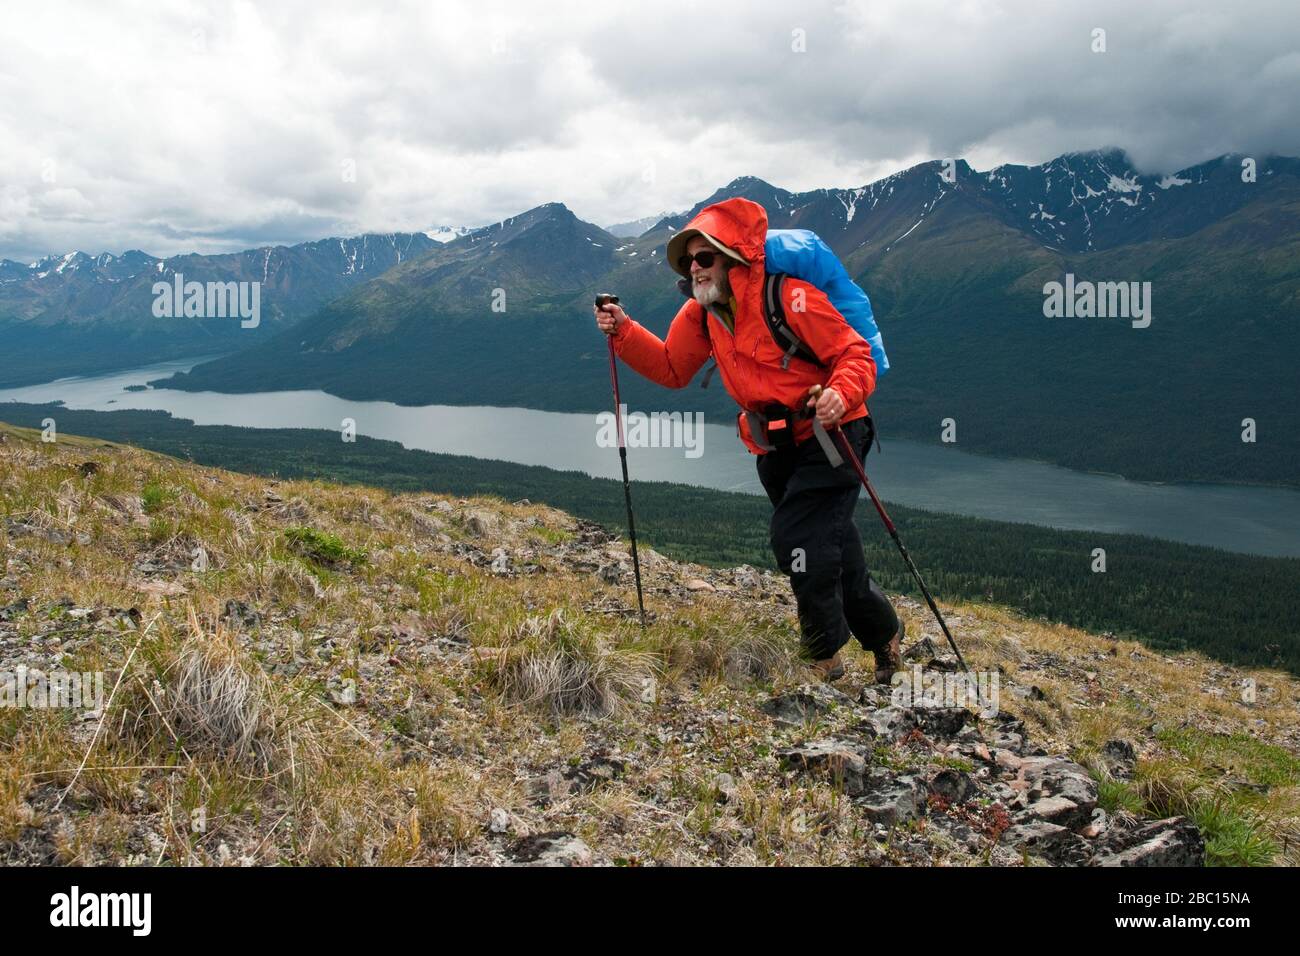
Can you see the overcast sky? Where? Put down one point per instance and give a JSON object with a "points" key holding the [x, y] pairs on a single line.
{"points": [[214, 126]]}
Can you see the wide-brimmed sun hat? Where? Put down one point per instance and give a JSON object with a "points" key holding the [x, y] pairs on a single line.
{"points": [[677, 249]]}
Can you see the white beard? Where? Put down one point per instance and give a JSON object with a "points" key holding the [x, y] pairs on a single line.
{"points": [[707, 294]]}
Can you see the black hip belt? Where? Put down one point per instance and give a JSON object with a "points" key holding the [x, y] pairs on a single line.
{"points": [[773, 429]]}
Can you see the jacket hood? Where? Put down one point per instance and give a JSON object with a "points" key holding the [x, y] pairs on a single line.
{"points": [[739, 225]]}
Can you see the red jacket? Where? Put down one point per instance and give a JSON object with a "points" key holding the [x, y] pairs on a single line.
{"points": [[750, 361]]}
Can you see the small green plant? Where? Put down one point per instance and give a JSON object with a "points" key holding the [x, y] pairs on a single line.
{"points": [[161, 529], [956, 763], [1116, 795], [552, 535], [325, 549], [1197, 784], [1234, 835], [154, 497]]}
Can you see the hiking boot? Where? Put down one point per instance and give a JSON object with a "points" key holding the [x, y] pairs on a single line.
{"points": [[889, 658], [830, 668]]}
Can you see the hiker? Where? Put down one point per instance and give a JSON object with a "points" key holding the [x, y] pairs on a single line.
{"points": [[720, 253]]}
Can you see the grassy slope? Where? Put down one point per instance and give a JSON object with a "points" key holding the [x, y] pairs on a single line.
{"points": [[390, 598], [1153, 591]]}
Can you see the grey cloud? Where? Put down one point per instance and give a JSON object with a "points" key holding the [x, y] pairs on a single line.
{"points": [[218, 124]]}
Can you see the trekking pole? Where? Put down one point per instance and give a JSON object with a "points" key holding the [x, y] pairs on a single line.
{"points": [[603, 299], [843, 442]]}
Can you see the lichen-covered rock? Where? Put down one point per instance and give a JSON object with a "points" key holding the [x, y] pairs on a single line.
{"points": [[555, 848], [890, 799], [843, 761], [1172, 842], [805, 702]]}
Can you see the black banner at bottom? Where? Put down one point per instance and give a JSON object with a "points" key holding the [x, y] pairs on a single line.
{"points": [[338, 906]]}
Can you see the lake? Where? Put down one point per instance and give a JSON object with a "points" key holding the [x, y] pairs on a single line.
{"points": [[1253, 520]]}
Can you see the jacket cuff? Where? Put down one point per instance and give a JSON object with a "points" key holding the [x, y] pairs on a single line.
{"points": [[852, 392], [623, 332]]}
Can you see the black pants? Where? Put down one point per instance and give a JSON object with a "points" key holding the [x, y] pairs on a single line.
{"points": [[816, 543]]}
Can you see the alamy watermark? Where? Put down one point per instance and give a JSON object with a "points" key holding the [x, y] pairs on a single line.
{"points": [[977, 690], [133, 911], [29, 688], [208, 300], [656, 430], [1099, 300]]}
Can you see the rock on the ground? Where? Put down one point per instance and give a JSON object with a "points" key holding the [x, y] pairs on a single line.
{"points": [[804, 702], [890, 723], [842, 760], [954, 786], [1119, 758], [555, 848], [549, 788], [889, 798], [1172, 842], [1049, 841], [1058, 791]]}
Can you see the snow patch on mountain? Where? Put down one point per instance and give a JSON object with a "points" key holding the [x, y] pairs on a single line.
{"points": [[446, 234], [851, 203], [1127, 184]]}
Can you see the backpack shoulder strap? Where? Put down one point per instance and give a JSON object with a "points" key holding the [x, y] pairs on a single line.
{"points": [[782, 334], [684, 287], [774, 312], [704, 327]]}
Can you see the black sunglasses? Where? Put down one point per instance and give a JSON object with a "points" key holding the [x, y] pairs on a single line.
{"points": [[704, 258]]}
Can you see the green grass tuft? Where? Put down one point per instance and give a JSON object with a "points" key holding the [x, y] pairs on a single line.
{"points": [[323, 548]]}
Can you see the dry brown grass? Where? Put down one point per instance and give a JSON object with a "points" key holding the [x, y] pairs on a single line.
{"points": [[470, 684], [565, 667], [210, 699]]}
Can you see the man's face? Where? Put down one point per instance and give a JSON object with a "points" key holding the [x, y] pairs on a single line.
{"points": [[708, 285]]}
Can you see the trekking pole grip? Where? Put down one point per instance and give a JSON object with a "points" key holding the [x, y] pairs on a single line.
{"points": [[815, 393]]}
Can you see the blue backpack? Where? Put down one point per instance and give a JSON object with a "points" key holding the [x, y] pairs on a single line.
{"points": [[802, 254]]}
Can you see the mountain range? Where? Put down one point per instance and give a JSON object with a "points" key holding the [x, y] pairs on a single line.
{"points": [[956, 262], [76, 314], [630, 230]]}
